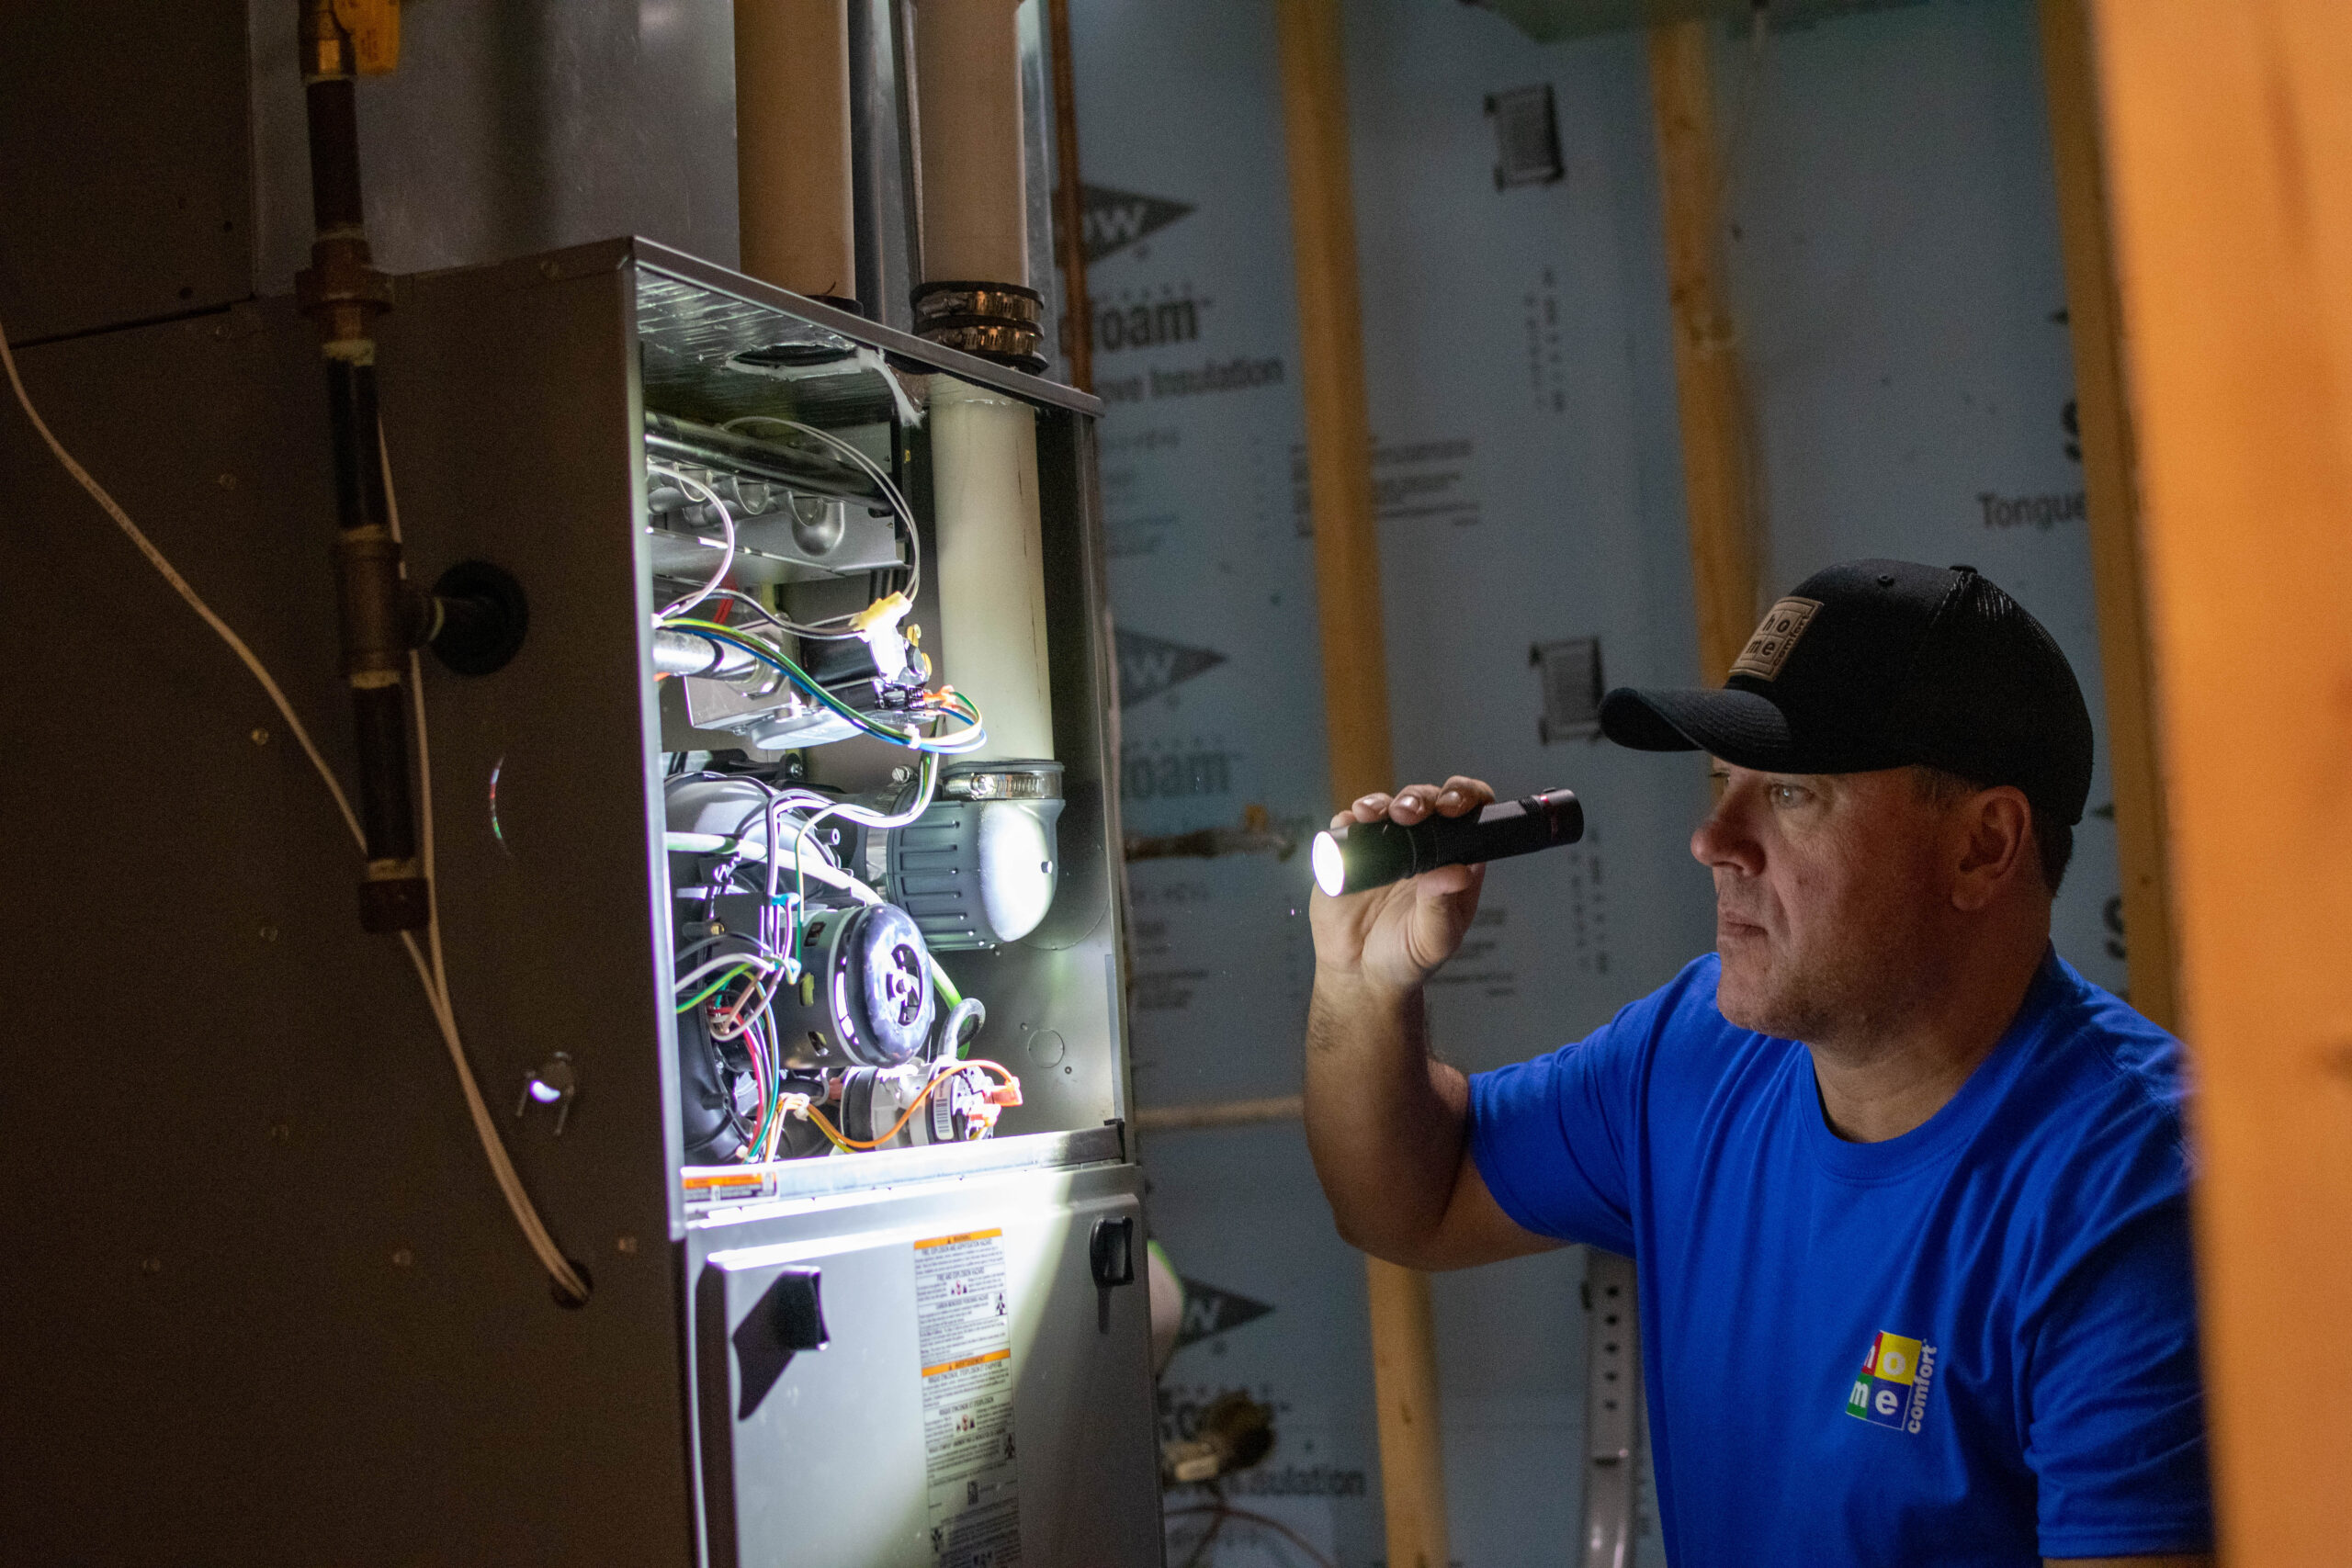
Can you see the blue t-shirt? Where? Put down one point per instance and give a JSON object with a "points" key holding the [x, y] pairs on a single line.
{"points": [[1972, 1344]]}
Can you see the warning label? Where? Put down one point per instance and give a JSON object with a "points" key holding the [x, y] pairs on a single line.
{"points": [[963, 1330]]}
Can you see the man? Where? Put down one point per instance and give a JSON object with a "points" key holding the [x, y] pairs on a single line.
{"points": [[1908, 1194]]}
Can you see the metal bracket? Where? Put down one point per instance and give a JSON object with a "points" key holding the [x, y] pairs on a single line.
{"points": [[1613, 1401]]}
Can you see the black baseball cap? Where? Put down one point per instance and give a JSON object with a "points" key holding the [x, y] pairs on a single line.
{"points": [[1882, 664]]}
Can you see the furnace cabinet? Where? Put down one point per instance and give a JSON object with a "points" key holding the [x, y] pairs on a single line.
{"points": [[264, 1304]]}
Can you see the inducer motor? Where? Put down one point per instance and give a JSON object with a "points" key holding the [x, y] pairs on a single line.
{"points": [[1357, 856]]}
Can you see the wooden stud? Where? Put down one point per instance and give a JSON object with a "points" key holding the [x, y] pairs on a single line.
{"points": [[1355, 673], [2103, 421], [1716, 482], [1069, 205], [2228, 132]]}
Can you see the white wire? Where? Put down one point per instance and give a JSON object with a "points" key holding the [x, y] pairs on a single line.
{"points": [[437, 981], [727, 961], [179, 584], [437, 997], [874, 470], [832, 877], [725, 521], [815, 870]]}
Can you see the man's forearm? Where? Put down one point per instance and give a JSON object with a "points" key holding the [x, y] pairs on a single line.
{"points": [[1384, 1124]]}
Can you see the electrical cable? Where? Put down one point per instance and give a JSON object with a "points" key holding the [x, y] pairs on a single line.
{"points": [[951, 1031], [535, 1231], [1225, 1511], [948, 702], [179, 585], [725, 523], [937, 1080], [832, 877], [737, 595], [559, 1269], [736, 960]]}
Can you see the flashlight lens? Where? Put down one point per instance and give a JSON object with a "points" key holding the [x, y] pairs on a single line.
{"points": [[1331, 869]]}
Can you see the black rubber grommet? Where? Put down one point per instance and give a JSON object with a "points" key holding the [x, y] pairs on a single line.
{"points": [[484, 618]]}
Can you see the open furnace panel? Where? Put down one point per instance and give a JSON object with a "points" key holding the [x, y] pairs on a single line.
{"points": [[776, 868]]}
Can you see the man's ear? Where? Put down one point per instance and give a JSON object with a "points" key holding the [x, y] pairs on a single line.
{"points": [[1996, 844]]}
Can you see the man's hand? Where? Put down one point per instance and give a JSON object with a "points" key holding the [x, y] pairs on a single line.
{"points": [[1388, 1126], [1394, 938]]}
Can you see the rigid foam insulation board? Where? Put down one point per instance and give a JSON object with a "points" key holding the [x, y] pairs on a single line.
{"points": [[1899, 224], [1891, 229]]}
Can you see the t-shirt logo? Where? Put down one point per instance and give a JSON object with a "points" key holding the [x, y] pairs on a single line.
{"points": [[1893, 1388]]}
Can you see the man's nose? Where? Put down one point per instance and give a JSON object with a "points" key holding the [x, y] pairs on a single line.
{"points": [[1723, 840]]}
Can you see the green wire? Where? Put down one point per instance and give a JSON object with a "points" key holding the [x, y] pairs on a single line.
{"points": [[714, 987], [714, 632]]}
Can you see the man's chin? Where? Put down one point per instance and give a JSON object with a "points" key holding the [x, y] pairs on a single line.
{"points": [[1743, 996]]}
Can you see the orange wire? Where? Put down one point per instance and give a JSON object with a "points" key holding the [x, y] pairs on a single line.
{"points": [[845, 1141]]}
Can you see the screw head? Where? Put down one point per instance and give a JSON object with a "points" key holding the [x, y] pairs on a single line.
{"points": [[269, 933], [403, 1257], [151, 1266], [625, 1245], [260, 737]]}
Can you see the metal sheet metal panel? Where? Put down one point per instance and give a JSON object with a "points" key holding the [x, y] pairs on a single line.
{"points": [[513, 126], [829, 1465], [265, 1303], [257, 1239], [125, 193]]}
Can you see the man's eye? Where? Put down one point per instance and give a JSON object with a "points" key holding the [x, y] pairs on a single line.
{"points": [[1786, 795]]}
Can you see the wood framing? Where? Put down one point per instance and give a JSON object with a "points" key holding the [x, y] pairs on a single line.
{"points": [[1069, 206], [2228, 132], [1355, 671], [1717, 483], [2103, 419]]}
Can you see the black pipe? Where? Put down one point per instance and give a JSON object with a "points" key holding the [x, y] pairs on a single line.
{"points": [[343, 293], [334, 104]]}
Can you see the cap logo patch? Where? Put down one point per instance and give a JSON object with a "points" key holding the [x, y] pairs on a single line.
{"points": [[1774, 640]]}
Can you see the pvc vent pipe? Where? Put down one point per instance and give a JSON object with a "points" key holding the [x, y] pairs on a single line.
{"points": [[792, 146], [974, 295], [991, 566]]}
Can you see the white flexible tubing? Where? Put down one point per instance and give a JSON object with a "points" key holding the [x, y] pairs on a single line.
{"points": [[437, 1000], [437, 981]]}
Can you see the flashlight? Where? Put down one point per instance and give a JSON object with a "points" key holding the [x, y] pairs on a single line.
{"points": [[1359, 856]]}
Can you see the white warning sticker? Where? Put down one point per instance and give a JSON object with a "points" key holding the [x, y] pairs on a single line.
{"points": [[963, 1329]]}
